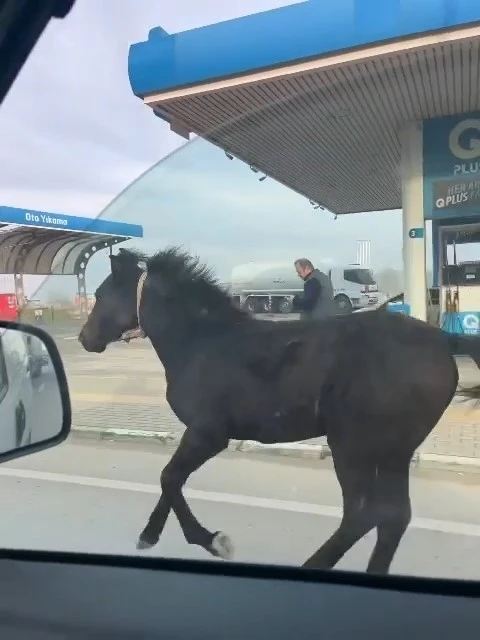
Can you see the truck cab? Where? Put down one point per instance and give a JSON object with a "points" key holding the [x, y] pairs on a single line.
{"points": [[354, 287]]}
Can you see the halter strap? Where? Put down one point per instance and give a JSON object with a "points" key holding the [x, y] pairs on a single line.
{"points": [[138, 332]]}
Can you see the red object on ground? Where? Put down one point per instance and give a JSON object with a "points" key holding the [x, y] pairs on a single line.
{"points": [[8, 306], [90, 301]]}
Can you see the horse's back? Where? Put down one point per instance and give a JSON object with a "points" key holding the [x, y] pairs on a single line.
{"points": [[377, 367], [392, 372]]}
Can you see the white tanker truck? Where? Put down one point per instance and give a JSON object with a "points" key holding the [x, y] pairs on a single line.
{"points": [[269, 287]]}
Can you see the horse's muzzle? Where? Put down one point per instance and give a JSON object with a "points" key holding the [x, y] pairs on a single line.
{"points": [[90, 345]]}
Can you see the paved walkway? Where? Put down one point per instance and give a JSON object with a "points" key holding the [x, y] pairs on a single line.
{"points": [[125, 388], [457, 434]]}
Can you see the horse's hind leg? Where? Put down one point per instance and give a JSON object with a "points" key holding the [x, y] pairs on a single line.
{"points": [[356, 476], [393, 510], [194, 450]]}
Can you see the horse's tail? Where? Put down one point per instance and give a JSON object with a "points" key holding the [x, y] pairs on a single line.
{"points": [[466, 345]]}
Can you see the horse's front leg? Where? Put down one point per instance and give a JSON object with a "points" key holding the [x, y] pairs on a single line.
{"points": [[196, 447]]}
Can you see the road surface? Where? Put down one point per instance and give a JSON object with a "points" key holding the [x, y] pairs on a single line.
{"points": [[91, 496]]}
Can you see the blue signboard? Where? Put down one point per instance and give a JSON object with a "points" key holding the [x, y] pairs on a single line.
{"points": [[451, 166], [461, 322], [32, 218]]}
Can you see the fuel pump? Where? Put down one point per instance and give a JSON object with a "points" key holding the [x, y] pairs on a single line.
{"points": [[459, 285]]}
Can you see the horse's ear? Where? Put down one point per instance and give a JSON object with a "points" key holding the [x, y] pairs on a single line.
{"points": [[116, 265], [123, 264]]}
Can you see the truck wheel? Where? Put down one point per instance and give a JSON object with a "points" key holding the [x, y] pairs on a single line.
{"points": [[264, 306], [250, 305], [343, 304], [285, 306], [256, 305]]}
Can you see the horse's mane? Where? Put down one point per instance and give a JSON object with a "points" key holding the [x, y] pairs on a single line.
{"points": [[187, 275]]}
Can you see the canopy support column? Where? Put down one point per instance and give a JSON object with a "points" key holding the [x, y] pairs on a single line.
{"points": [[18, 278], [82, 296], [19, 290], [81, 267], [80, 271], [414, 255]]}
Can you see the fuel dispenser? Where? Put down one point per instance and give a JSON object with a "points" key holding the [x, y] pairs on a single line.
{"points": [[459, 281]]}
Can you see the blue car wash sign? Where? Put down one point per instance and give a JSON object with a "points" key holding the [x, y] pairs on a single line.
{"points": [[451, 166], [462, 322], [32, 218]]}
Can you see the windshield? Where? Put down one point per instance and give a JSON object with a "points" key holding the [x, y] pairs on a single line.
{"points": [[359, 276], [268, 413]]}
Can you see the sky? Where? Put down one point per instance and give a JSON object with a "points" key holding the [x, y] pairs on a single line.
{"points": [[74, 136]]}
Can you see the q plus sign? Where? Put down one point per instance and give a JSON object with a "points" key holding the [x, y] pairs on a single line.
{"points": [[471, 322], [471, 151]]}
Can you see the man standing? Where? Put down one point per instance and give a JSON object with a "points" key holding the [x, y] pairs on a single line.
{"points": [[317, 299]]}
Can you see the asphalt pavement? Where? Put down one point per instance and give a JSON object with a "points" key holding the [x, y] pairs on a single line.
{"points": [[96, 497]]}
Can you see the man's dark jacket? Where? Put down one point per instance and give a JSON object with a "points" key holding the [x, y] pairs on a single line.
{"points": [[317, 299]]}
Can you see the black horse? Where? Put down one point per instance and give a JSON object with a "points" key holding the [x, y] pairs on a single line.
{"points": [[374, 383]]}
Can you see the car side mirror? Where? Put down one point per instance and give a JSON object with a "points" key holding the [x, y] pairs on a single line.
{"points": [[35, 410]]}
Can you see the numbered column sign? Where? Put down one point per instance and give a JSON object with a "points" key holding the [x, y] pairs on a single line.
{"points": [[416, 232]]}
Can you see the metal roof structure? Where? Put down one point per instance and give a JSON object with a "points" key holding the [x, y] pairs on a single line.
{"points": [[314, 94], [41, 243]]}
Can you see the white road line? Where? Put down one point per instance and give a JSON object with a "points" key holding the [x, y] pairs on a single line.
{"points": [[91, 374], [429, 524]]}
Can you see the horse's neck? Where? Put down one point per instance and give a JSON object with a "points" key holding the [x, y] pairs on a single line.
{"points": [[176, 341], [169, 340], [173, 349]]}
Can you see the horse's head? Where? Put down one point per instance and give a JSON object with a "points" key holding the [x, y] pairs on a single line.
{"points": [[115, 309]]}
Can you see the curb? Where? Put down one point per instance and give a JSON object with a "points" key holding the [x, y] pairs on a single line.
{"points": [[291, 450], [172, 438]]}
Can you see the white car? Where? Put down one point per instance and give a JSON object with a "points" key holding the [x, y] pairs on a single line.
{"points": [[16, 391]]}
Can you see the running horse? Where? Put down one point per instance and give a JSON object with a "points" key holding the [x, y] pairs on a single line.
{"points": [[375, 384]]}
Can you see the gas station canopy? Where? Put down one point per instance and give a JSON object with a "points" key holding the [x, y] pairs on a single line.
{"points": [[314, 94], [40, 243]]}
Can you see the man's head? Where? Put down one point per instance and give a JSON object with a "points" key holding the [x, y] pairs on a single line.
{"points": [[303, 267]]}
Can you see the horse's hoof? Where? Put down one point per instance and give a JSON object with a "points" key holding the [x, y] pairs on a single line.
{"points": [[143, 545], [222, 546]]}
